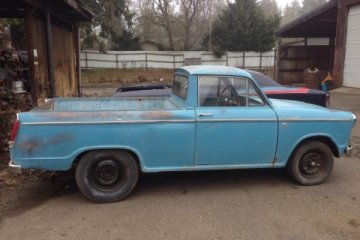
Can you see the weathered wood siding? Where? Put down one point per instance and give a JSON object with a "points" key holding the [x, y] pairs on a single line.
{"points": [[64, 61], [39, 56]]}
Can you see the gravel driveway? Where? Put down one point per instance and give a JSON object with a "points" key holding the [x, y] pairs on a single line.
{"points": [[246, 204]]}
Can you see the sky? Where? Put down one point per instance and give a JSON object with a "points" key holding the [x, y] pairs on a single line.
{"points": [[282, 3]]}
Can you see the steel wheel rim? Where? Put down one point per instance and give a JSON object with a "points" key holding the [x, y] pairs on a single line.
{"points": [[107, 174], [312, 164]]}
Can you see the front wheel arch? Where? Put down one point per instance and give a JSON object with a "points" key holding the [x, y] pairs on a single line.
{"points": [[311, 162], [324, 139]]}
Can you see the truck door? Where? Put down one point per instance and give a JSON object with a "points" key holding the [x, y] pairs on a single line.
{"points": [[235, 126]]}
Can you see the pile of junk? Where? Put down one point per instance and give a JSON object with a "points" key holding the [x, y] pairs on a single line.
{"points": [[13, 64], [14, 88]]}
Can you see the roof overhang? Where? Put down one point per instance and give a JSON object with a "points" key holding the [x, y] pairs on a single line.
{"points": [[320, 22], [72, 10]]}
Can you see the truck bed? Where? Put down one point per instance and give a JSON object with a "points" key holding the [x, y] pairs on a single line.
{"points": [[103, 104]]}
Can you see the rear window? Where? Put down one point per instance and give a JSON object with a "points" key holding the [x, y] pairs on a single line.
{"points": [[180, 86]]}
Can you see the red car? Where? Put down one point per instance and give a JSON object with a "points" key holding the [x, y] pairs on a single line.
{"points": [[275, 90], [271, 88]]}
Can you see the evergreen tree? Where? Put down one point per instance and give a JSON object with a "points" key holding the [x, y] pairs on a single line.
{"points": [[243, 26], [291, 11], [88, 34], [270, 7], [113, 19]]}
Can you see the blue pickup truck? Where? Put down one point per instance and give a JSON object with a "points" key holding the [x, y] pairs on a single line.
{"points": [[216, 118]]}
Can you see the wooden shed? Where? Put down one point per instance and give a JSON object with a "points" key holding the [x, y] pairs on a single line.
{"points": [[327, 38], [52, 35]]}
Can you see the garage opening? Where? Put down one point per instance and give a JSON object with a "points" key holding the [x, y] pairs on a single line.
{"points": [[325, 40]]}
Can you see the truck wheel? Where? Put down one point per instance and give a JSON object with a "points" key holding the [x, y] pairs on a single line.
{"points": [[106, 176], [311, 163]]}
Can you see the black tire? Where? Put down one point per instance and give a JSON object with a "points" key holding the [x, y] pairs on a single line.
{"points": [[311, 163], [106, 176]]}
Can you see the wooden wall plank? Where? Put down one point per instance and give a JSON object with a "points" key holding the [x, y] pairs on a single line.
{"points": [[64, 62]]}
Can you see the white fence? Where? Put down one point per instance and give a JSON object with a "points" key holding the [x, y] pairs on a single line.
{"points": [[172, 60]]}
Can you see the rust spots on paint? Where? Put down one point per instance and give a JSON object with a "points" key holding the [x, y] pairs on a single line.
{"points": [[274, 161], [64, 137], [32, 144], [84, 116], [156, 115]]}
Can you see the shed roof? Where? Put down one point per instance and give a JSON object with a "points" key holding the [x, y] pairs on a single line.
{"points": [[320, 22], [74, 9]]}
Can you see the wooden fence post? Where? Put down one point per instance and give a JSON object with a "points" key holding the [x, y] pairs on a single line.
{"points": [[174, 61], [146, 60], [117, 61]]}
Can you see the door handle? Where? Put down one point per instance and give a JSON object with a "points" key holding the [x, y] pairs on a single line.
{"points": [[205, 114]]}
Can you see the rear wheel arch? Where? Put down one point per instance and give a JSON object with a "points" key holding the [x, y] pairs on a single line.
{"points": [[132, 152], [106, 175]]}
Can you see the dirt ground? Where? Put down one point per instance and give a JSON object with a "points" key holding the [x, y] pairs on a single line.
{"points": [[114, 77]]}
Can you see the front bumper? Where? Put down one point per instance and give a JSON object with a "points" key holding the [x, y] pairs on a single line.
{"points": [[349, 150]]}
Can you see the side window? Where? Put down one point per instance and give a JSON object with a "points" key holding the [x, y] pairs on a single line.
{"points": [[254, 96], [227, 91], [180, 86]]}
